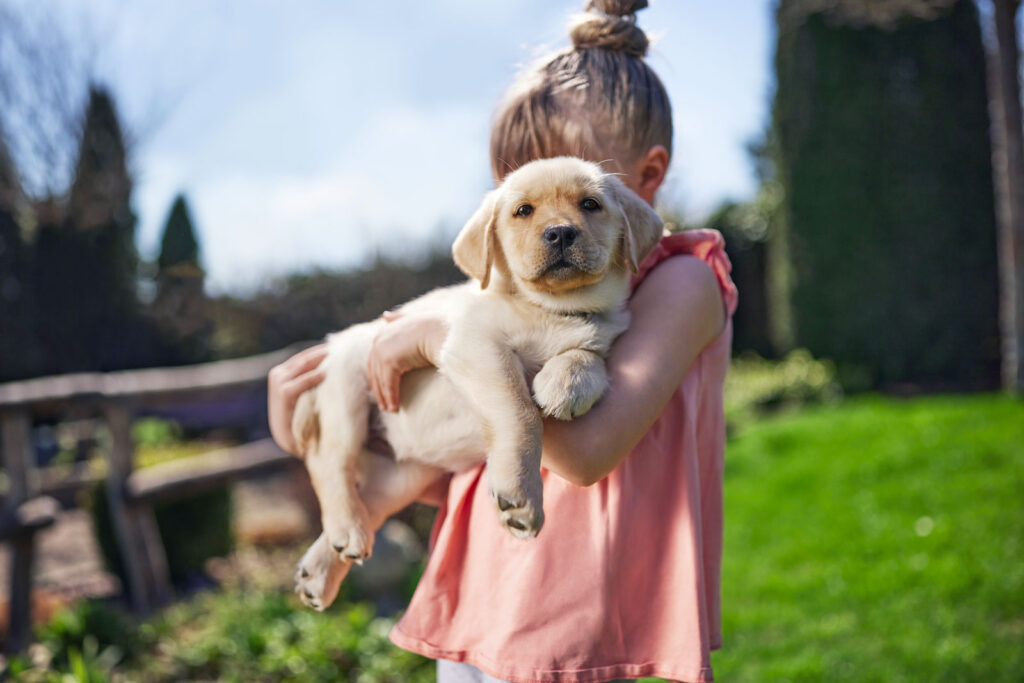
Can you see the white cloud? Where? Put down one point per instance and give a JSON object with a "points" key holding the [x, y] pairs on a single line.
{"points": [[409, 172], [314, 136]]}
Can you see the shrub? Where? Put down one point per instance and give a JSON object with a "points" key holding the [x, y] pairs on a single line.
{"points": [[193, 530], [755, 385]]}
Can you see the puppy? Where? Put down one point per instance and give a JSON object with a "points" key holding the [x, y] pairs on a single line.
{"points": [[550, 254]]}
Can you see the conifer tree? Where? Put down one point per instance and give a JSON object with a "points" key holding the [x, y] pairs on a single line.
{"points": [[17, 351], [181, 308], [85, 270], [178, 244], [884, 157]]}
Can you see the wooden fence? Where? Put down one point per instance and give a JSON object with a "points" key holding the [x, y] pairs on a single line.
{"points": [[117, 399]]}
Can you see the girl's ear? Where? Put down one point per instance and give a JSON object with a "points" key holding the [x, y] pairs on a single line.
{"points": [[473, 249], [648, 173], [642, 226]]}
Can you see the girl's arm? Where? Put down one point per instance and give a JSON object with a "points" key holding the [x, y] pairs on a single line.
{"points": [[676, 312]]}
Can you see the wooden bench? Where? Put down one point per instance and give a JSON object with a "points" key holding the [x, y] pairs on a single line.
{"points": [[117, 399]]}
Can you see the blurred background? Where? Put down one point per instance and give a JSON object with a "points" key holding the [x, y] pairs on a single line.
{"points": [[192, 191]]}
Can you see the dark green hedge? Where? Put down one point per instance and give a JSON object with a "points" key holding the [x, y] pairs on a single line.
{"points": [[886, 163]]}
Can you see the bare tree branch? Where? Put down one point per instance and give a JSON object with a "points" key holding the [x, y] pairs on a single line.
{"points": [[44, 79]]}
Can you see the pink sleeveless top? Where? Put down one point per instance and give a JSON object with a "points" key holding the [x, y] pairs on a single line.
{"points": [[623, 581]]}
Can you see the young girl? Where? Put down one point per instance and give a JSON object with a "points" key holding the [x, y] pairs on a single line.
{"points": [[623, 581]]}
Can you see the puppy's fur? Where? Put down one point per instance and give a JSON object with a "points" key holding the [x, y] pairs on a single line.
{"points": [[550, 253]]}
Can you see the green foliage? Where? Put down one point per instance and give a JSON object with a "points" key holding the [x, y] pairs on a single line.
{"points": [[258, 636], [876, 540], [236, 635], [885, 158], [92, 633], [747, 229], [308, 306], [755, 385], [178, 244], [154, 432]]}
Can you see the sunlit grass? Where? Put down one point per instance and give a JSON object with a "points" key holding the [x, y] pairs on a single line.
{"points": [[871, 539], [877, 540]]}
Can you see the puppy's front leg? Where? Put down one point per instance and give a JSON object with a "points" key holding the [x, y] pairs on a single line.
{"points": [[491, 378], [570, 383]]}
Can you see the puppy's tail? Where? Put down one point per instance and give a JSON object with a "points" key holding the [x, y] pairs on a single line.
{"points": [[306, 423]]}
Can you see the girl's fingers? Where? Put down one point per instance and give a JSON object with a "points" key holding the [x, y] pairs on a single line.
{"points": [[378, 395], [373, 378], [306, 359], [394, 380], [391, 316], [303, 383]]}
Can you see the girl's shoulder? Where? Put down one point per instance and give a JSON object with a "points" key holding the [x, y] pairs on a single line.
{"points": [[706, 245]]}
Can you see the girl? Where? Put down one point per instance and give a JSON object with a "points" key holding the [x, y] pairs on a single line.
{"points": [[623, 581]]}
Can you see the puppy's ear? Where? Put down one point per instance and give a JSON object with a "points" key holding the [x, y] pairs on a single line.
{"points": [[643, 226], [473, 249]]}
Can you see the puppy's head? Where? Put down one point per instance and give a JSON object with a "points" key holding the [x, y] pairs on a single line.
{"points": [[562, 232]]}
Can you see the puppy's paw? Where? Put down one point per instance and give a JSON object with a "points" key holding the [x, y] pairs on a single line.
{"points": [[319, 575], [352, 540], [524, 520], [522, 513], [570, 384]]}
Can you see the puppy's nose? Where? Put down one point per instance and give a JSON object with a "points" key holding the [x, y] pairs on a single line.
{"points": [[561, 236]]}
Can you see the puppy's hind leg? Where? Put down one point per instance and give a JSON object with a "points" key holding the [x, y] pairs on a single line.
{"points": [[389, 487], [334, 469], [337, 462]]}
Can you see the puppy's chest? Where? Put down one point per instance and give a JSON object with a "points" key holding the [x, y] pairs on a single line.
{"points": [[551, 334]]}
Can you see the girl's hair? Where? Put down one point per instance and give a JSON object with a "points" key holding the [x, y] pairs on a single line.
{"points": [[595, 100]]}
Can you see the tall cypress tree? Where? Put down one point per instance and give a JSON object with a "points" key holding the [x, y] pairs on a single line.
{"points": [[180, 307], [884, 156], [18, 357], [178, 244], [86, 263]]}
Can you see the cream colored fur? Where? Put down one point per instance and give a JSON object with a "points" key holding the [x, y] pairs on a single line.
{"points": [[526, 339]]}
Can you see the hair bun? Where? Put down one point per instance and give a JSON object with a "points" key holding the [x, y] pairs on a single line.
{"points": [[611, 27], [618, 8]]}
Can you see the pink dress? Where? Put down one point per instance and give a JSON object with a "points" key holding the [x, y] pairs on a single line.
{"points": [[623, 581]]}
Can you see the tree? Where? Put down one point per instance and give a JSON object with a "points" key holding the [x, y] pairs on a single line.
{"points": [[1008, 166], [180, 308], [746, 231], [44, 78], [18, 357], [85, 263], [178, 244], [885, 160]]}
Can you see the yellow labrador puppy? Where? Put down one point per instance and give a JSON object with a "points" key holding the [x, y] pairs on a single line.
{"points": [[550, 254]]}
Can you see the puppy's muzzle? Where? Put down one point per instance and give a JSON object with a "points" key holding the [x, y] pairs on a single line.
{"points": [[560, 237]]}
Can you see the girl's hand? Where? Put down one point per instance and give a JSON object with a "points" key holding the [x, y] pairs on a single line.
{"points": [[285, 383], [407, 342]]}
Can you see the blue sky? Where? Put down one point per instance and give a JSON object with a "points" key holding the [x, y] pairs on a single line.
{"points": [[311, 133]]}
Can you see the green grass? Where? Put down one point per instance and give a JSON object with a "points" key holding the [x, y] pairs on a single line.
{"points": [[876, 540], [871, 539]]}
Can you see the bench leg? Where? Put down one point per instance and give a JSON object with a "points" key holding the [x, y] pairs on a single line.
{"points": [[19, 631]]}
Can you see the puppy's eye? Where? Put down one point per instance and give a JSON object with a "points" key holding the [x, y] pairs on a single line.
{"points": [[590, 204], [524, 210]]}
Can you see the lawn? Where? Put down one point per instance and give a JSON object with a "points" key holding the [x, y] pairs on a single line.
{"points": [[872, 539], [876, 540]]}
